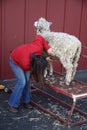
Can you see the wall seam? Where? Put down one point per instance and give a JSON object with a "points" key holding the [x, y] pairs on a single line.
{"points": [[24, 21], [46, 9], [64, 15], [81, 20]]}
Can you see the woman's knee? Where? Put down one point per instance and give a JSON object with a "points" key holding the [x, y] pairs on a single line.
{"points": [[22, 83]]}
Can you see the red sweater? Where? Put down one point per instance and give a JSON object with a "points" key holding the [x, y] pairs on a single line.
{"points": [[21, 54]]}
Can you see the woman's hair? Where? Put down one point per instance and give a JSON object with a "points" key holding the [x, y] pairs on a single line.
{"points": [[38, 65]]}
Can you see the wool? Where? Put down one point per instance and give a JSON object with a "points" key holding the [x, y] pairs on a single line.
{"points": [[66, 47]]}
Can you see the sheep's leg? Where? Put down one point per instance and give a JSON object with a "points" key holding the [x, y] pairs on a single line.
{"points": [[75, 61], [67, 64], [71, 66], [50, 69], [69, 69], [70, 73], [45, 72], [74, 71], [68, 76]]}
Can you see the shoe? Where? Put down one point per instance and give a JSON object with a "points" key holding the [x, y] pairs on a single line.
{"points": [[26, 105], [12, 109]]}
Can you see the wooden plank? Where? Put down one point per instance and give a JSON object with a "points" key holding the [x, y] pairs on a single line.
{"points": [[83, 35], [83, 32], [73, 17], [12, 31], [34, 10], [0, 36], [55, 13]]}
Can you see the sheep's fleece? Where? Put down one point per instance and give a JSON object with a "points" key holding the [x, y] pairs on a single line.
{"points": [[66, 47]]}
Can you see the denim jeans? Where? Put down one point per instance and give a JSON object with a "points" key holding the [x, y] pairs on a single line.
{"points": [[22, 87]]}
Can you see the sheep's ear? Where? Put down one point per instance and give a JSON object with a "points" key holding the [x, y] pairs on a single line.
{"points": [[35, 24], [50, 23]]}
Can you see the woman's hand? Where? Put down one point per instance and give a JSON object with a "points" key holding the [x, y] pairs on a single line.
{"points": [[49, 59], [50, 52]]}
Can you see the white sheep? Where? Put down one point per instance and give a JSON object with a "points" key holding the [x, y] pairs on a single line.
{"points": [[66, 47]]}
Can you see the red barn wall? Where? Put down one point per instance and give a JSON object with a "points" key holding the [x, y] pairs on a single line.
{"points": [[0, 38], [16, 25]]}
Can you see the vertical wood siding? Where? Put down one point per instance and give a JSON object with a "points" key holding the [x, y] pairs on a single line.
{"points": [[0, 37], [16, 25], [83, 34]]}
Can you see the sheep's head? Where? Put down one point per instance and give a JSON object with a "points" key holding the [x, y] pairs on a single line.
{"points": [[42, 25]]}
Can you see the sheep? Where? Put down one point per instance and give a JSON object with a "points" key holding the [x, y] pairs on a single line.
{"points": [[66, 47]]}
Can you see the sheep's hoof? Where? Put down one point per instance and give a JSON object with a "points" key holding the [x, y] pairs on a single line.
{"points": [[52, 76], [50, 79], [47, 77], [61, 82], [62, 78], [67, 83]]}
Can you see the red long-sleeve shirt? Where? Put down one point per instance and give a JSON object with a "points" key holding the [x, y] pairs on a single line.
{"points": [[21, 54]]}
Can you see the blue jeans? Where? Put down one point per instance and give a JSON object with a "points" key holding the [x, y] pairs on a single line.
{"points": [[22, 87]]}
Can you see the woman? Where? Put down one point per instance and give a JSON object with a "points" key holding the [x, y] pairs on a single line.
{"points": [[20, 62]]}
